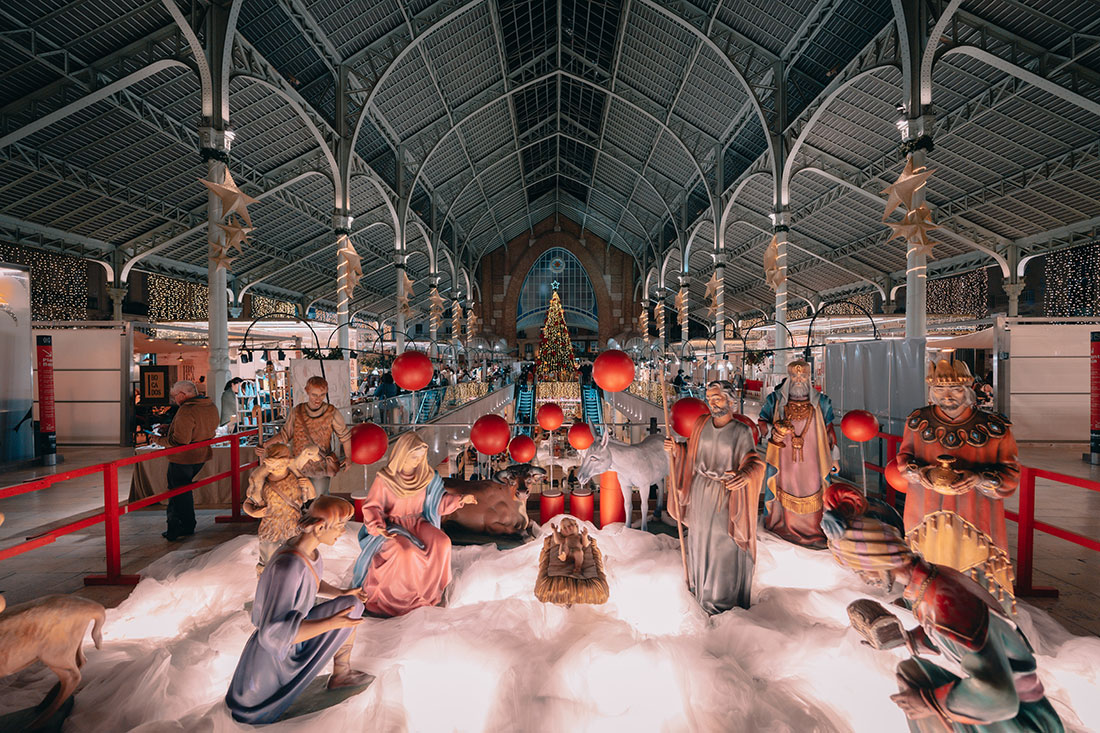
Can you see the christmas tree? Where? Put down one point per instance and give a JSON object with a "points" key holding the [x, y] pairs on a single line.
{"points": [[554, 357]]}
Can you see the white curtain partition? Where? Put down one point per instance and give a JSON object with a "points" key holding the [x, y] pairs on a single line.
{"points": [[1045, 378], [16, 364], [885, 378], [92, 368]]}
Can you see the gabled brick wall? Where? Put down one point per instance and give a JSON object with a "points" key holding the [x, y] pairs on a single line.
{"points": [[612, 272]]}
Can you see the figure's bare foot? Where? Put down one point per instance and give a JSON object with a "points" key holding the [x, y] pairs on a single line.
{"points": [[351, 678]]}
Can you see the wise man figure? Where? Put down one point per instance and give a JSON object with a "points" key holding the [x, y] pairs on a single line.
{"points": [[800, 456], [960, 464], [313, 423], [971, 668], [718, 478]]}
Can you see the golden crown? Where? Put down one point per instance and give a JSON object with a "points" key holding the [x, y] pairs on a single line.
{"points": [[948, 372]]}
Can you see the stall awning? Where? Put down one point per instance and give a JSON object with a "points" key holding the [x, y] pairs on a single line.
{"points": [[977, 340]]}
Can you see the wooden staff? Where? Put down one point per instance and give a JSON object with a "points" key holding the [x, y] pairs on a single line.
{"points": [[258, 413], [674, 482]]}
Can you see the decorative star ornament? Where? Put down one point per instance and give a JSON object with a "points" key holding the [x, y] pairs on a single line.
{"points": [[349, 266], [772, 272], [233, 199], [712, 285], [900, 192], [435, 310], [914, 226], [220, 256], [235, 236]]}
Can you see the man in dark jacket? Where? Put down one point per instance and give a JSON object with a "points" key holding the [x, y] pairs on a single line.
{"points": [[195, 421]]}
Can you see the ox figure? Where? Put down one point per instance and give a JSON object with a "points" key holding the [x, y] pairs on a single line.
{"points": [[639, 466], [501, 506]]}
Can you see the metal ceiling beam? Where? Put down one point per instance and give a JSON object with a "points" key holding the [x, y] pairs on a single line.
{"points": [[498, 36], [534, 143]]}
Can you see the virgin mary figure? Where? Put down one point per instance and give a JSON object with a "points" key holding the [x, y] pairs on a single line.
{"points": [[405, 558]]}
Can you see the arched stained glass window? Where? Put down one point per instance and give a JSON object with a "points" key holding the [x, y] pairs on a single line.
{"points": [[578, 299]]}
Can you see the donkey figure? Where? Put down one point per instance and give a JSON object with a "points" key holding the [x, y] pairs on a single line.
{"points": [[639, 466]]}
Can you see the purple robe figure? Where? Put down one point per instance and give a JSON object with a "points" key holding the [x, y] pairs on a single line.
{"points": [[295, 639]]}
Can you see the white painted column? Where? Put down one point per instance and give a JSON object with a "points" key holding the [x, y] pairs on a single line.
{"points": [[782, 223], [914, 132], [341, 225], [215, 146], [399, 319]]}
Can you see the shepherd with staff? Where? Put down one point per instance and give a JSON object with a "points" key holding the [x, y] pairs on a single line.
{"points": [[716, 484]]}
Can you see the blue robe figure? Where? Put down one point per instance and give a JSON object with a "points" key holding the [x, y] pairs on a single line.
{"points": [[273, 670]]}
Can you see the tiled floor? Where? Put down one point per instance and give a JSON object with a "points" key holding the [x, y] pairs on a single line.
{"points": [[60, 567]]}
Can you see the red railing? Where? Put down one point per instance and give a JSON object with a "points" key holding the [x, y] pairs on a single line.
{"points": [[1025, 517], [113, 510]]}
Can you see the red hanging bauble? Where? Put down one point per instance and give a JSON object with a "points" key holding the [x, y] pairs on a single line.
{"points": [[580, 436], [412, 370], [490, 434], [368, 443], [859, 425], [522, 449], [613, 370], [685, 412], [550, 416], [895, 477]]}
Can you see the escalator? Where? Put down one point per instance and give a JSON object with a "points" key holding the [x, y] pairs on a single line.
{"points": [[525, 409], [429, 405], [592, 407]]}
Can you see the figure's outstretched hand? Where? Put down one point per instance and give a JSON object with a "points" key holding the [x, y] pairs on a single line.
{"points": [[734, 481], [468, 499], [341, 620], [912, 703], [670, 445], [381, 532], [357, 592]]}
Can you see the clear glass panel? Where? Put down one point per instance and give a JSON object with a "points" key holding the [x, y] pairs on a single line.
{"points": [[578, 299]]}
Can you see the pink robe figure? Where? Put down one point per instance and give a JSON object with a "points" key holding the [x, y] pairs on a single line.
{"points": [[402, 577]]}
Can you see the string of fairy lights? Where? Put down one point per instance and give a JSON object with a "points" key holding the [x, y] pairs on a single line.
{"points": [[263, 306], [176, 300], [1073, 282], [59, 284], [966, 294]]}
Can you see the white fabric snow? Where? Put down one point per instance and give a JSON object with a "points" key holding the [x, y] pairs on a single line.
{"points": [[495, 659]]}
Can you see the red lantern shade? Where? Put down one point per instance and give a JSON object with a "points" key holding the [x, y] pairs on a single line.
{"points": [[685, 412], [368, 443], [490, 434], [550, 416], [895, 477], [412, 370], [859, 425], [522, 449], [613, 370], [580, 436]]}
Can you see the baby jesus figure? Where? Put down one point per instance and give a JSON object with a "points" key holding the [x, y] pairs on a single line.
{"points": [[571, 542]]}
